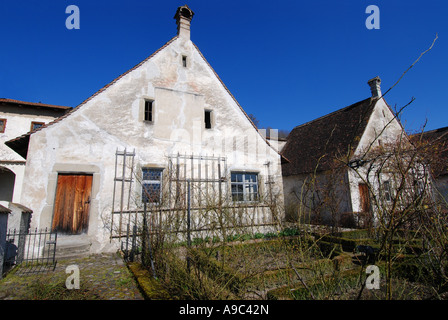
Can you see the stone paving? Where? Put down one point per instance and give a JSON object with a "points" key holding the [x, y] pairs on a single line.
{"points": [[102, 277]]}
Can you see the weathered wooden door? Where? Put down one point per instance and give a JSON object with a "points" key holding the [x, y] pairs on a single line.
{"points": [[364, 197], [72, 203]]}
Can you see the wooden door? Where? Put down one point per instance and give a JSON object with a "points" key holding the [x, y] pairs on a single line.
{"points": [[364, 197], [72, 203]]}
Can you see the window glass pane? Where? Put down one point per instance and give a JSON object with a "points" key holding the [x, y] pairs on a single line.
{"points": [[148, 110], [208, 119], [151, 192], [244, 186], [237, 197], [151, 185], [152, 174], [37, 125], [250, 177], [237, 177]]}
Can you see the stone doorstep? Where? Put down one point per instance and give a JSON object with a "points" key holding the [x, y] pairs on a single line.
{"points": [[72, 246]]}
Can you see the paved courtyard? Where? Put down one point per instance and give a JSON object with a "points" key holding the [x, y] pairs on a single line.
{"points": [[102, 277]]}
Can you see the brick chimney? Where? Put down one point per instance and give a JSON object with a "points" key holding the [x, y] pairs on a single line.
{"points": [[183, 18], [375, 87]]}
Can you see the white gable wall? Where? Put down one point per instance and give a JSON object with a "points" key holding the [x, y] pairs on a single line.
{"points": [[382, 127], [86, 141]]}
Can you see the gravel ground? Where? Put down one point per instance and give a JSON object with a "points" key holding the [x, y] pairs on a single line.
{"points": [[102, 277]]}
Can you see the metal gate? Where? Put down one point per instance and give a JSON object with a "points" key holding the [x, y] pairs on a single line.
{"points": [[33, 251]]}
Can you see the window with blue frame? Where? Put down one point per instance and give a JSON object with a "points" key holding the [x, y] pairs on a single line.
{"points": [[151, 185], [244, 186]]}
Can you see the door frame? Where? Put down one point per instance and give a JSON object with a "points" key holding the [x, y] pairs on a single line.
{"points": [[84, 229], [364, 194], [365, 217], [47, 213]]}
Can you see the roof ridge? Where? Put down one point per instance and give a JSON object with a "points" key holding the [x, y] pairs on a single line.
{"points": [[38, 104], [432, 131], [312, 145], [333, 113]]}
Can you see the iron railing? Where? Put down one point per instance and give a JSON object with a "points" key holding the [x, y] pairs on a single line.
{"points": [[33, 251]]}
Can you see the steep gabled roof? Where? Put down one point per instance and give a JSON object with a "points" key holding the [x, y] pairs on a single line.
{"points": [[20, 144], [437, 141], [314, 145]]}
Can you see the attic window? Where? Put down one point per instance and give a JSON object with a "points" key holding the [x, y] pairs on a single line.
{"points": [[2, 125], [208, 119], [184, 61], [148, 110], [36, 125]]}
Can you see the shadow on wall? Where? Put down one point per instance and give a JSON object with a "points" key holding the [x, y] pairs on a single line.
{"points": [[7, 180]]}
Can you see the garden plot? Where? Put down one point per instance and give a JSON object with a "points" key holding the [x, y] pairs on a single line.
{"points": [[259, 267], [300, 267]]}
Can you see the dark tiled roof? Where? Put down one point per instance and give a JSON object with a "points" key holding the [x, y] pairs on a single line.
{"points": [[32, 104], [437, 141], [314, 145], [23, 208], [4, 209]]}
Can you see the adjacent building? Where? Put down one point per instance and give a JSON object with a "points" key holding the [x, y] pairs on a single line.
{"points": [[18, 118], [435, 144], [320, 180]]}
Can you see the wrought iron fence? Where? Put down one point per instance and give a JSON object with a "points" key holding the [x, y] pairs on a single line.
{"points": [[33, 251], [131, 243]]}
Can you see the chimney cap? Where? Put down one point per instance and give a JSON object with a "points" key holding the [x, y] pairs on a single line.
{"points": [[375, 86], [377, 79], [184, 12]]}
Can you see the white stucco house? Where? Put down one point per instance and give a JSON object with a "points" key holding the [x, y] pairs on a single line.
{"points": [[324, 179], [169, 116], [17, 118]]}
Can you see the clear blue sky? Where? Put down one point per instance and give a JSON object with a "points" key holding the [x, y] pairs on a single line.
{"points": [[286, 62]]}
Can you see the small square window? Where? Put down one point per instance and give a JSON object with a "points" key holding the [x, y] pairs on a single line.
{"points": [[36, 125], [148, 110], [208, 119], [2, 125]]}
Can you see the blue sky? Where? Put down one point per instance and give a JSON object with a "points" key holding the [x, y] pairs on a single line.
{"points": [[286, 62]]}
